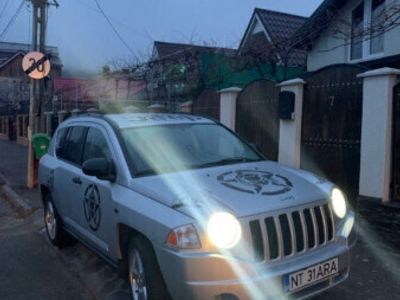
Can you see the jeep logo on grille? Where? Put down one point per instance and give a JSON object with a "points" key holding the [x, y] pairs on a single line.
{"points": [[256, 182]]}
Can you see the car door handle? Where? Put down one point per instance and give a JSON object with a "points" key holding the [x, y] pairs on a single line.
{"points": [[77, 180]]}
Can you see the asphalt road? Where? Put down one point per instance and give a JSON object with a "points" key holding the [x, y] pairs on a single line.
{"points": [[29, 267], [374, 273]]}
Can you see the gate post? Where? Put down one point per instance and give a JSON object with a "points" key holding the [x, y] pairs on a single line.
{"points": [[227, 115], [290, 130], [376, 132], [49, 124], [186, 107]]}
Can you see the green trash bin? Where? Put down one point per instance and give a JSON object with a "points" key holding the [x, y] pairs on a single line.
{"points": [[41, 142]]}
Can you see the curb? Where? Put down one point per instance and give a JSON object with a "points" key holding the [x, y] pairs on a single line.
{"points": [[16, 201]]}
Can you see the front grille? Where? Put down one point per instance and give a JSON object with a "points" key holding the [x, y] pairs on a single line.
{"points": [[291, 233]]}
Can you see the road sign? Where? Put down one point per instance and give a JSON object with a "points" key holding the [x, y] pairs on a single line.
{"points": [[36, 65]]}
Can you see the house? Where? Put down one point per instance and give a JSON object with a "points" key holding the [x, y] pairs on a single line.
{"points": [[15, 88], [163, 50], [11, 55], [351, 99], [174, 73], [352, 32], [83, 94], [269, 34], [14, 83]]}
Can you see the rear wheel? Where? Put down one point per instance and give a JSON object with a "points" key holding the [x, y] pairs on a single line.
{"points": [[144, 275], [53, 224]]}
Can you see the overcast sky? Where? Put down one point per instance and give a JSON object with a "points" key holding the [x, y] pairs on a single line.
{"points": [[86, 42]]}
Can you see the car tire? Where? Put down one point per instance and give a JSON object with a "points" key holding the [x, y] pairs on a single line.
{"points": [[53, 224], [144, 275]]}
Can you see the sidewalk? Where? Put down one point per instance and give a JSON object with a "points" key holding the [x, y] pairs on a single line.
{"points": [[13, 166], [71, 273], [30, 267]]}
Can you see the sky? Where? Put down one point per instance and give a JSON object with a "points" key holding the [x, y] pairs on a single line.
{"points": [[86, 41]]}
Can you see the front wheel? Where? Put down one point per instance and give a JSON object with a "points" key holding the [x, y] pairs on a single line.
{"points": [[145, 279]]}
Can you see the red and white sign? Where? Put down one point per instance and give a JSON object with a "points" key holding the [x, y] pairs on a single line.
{"points": [[36, 65]]}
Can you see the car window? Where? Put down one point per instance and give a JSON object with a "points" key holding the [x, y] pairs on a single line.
{"points": [[60, 138], [170, 148], [73, 144], [96, 145]]}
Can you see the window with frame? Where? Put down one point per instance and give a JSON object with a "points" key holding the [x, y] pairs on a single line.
{"points": [[367, 29], [60, 138], [376, 31], [357, 28], [96, 145], [72, 145]]}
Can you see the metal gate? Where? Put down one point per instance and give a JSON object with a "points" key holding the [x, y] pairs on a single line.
{"points": [[207, 104], [257, 116], [396, 145], [331, 130]]}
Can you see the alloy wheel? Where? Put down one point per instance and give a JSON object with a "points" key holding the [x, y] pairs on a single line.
{"points": [[51, 222], [137, 276]]}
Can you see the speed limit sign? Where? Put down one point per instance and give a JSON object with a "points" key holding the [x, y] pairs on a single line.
{"points": [[36, 65]]}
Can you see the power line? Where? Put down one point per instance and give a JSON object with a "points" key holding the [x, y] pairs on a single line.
{"points": [[114, 29], [116, 21], [12, 20]]}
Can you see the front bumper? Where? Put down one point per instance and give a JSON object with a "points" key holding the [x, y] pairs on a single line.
{"points": [[191, 275]]}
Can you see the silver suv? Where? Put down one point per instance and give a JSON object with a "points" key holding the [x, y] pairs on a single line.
{"points": [[189, 210]]}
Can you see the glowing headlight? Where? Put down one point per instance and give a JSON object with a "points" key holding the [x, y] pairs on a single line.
{"points": [[338, 203], [224, 230]]}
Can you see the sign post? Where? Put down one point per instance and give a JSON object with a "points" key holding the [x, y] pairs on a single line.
{"points": [[35, 67]]}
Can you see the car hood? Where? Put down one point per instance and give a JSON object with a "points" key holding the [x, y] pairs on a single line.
{"points": [[244, 189]]}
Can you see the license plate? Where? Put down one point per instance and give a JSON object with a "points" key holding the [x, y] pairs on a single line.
{"points": [[311, 275]]}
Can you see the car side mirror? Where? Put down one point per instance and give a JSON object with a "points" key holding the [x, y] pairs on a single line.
{"points": [[100, 167]]}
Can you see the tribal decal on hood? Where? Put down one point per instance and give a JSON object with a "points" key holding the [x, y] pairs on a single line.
{"points": [[256, 182]]}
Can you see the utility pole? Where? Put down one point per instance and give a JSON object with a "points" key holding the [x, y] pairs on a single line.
{"points": [[39, 22]]}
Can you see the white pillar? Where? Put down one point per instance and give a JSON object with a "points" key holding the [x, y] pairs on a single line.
{"points": [[227, 115], [186, 107], [290, 130], [376, 133], [49, 122]]}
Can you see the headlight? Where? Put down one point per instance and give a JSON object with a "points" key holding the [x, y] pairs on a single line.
{"points": [[224, 230], [338, 203], [184, 237]]}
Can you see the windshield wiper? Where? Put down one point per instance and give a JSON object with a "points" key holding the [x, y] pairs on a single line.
{"points": [[145, 173], [226, 161]]}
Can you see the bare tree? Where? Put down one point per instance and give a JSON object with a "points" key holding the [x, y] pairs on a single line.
{"points": [[342, 29]]}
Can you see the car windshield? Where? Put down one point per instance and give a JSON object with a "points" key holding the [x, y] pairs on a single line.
{"points": [[163, 149]]}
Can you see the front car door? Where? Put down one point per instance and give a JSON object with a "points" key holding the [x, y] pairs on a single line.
{"points": [[95, 207]]}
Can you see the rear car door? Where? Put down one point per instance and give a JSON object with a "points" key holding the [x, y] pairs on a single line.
{"points": [[97, 216], [67, 183]]}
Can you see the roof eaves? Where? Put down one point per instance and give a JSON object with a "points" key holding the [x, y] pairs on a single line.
{"points": [[187, 47], [264, 14], [247, 30], [265, 26], [11, 58], [317, 22], [268, 11]]}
